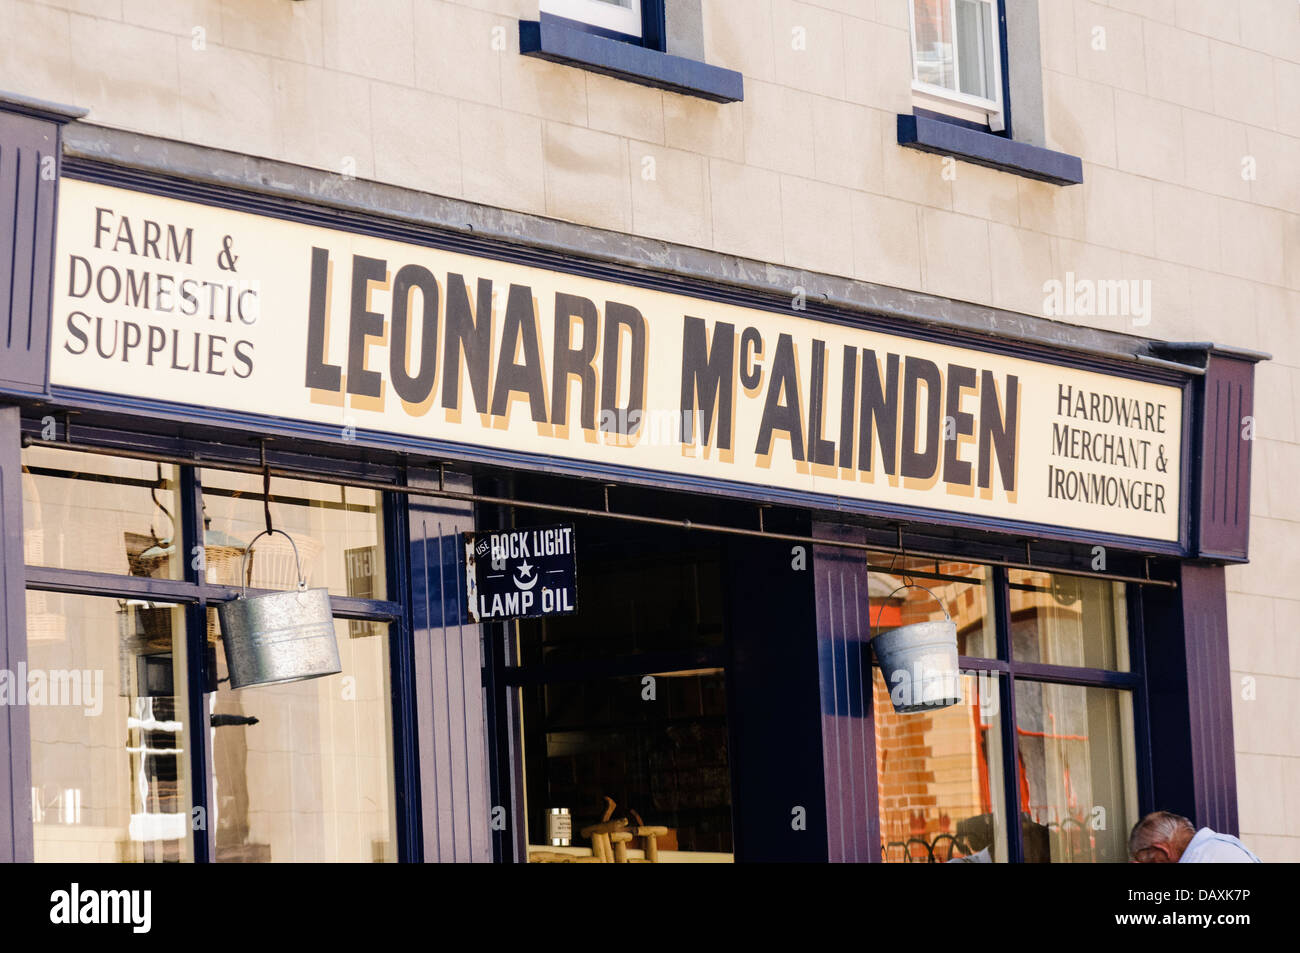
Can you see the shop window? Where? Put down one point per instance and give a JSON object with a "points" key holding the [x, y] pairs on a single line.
{"points": [[1077, 767], [623, 706], [1068, 620], [957, 58], [913, 590], [1045, 730], [110, 730], [940, 775], [300, 771], [338, 531], [100, 514]]}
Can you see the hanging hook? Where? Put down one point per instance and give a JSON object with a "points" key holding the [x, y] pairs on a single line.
{"points": [[266, 489], [902, 572], [153, 494], [266, 497]]}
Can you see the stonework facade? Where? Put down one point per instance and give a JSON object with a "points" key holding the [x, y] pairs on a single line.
{"points": [[1186, 114]]}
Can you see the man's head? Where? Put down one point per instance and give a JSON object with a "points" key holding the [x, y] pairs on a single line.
{"points": [[1160, 838]]}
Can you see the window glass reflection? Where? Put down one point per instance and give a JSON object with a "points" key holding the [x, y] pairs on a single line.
{"points": [[963, 589], [940, 777], [106, 690], [338, 531], [1077, 772], [975, 47], [99, 513], [1068, 620], [303, 771], [932, 43]]}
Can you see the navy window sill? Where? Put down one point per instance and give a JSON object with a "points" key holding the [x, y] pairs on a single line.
{"points": [[558, 43], [986, 149]]}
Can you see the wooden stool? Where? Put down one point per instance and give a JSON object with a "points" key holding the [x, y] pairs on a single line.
{"points": [[609, 839], [600, 835], [619, 839], [650, 835]]}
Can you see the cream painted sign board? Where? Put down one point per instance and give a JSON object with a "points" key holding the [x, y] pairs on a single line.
{"points": [[182, 302]]}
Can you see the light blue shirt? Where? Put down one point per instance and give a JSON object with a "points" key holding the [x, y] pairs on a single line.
{"points": [[1207, 847]]}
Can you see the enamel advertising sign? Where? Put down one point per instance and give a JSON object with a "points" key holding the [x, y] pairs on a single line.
{"points": [[195, 305], [520, 573]]}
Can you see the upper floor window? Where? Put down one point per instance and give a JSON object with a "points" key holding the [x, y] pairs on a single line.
{"points": [[620, 17], [957, 58], [628, 39]]}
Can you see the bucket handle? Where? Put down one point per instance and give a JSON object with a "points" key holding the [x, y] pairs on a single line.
{"points": [[243, 563], [912, 586]]}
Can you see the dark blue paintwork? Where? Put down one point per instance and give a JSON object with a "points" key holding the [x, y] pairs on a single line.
{"points": [[449, 706], [848, 734], [16, 844], [990, 150], [1189, 679], [775, 742], [554, 40]]}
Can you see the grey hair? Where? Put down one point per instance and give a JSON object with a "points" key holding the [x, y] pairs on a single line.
{"points": [[1159, 827]]}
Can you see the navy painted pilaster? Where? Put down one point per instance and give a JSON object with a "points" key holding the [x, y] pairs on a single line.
{"points": [[848, 730], [1226, 435], [30, 157], [450, 731], [1222, 434], [30, 153], [1190, 692], [15, 730]]}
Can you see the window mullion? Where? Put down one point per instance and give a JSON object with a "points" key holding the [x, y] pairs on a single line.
{"points": [[1000, 92], [406, 751], [911, 18], [192, 536], [1002, 608], [984, 52], [1010, 748], [955, 43], [1141, 717]]}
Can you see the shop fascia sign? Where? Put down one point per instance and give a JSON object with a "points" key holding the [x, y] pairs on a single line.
{"points": [[186, 303]]}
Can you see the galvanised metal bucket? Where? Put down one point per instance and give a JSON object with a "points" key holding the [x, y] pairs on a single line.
{"points": [[919, 662], [279, 636]]}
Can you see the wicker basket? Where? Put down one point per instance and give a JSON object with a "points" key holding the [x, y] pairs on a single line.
{"points": [[148, 556], [222, 568], [272, 564], [222, 564]]}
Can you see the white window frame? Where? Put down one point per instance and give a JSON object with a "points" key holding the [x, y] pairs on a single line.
{"points": [[991, 108], [606, 16]]}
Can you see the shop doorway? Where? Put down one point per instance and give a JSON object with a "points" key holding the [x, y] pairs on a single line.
{"points": [[622, 706]]}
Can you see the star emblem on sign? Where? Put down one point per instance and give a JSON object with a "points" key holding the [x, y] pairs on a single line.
{"points": [[524, 578]]}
